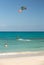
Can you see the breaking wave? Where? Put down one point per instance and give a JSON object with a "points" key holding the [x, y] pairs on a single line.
{"points": [[24, 40]]}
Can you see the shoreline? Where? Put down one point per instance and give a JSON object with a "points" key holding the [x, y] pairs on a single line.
{"points": [[22, 58], [26, 53]]}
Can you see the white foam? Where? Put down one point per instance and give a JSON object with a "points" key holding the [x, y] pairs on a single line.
{"points": [[24, 40], [16, 53], [6, 45]]}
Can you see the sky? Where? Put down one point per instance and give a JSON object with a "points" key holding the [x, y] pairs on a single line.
{"points": [[31, 19]]}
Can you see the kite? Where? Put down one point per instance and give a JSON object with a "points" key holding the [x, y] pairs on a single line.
{"points": [[21, 9]]}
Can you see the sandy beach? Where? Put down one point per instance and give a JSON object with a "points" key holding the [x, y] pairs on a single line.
{"points": [[22, 60], [36, 60]]}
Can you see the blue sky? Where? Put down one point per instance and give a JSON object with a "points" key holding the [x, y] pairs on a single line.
{"points": [[31, 19]]}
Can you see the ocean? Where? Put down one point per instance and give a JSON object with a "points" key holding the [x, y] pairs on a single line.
{"points": [[21, 41]]}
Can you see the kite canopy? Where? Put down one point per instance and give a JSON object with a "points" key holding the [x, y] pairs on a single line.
{"points": [[21, 9]]}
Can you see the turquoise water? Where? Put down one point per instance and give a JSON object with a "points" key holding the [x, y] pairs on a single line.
{"points": [[21, 41]]}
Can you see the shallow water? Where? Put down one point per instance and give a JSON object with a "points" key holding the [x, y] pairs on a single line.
{"points": [[21, 41], [21, 45]]}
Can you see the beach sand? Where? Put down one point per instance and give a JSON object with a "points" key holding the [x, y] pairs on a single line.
{"points": [[23, 60]]}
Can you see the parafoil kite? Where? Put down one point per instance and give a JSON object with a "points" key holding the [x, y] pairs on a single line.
{"points": [[21, 9]]}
